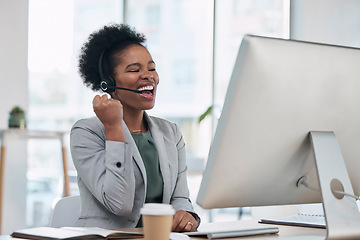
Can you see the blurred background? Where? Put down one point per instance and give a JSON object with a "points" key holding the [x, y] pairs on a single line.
{"points": [[194, 44]]}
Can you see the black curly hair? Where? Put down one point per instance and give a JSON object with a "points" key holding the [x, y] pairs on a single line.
{"points": [[110, 41]]}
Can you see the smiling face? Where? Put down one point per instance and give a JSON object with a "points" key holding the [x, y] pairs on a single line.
{"points": [[136, 70]]}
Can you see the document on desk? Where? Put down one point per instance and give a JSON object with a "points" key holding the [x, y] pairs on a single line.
{"points": [[301, 219], [45, 233], [73, 233], [232, 229]]}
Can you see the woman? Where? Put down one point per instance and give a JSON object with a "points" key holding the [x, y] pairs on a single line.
{"points": [[125, 158]]}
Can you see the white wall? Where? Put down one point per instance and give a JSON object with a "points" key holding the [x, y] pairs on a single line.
{"points": [[13, 57], [326, 21], [13, 91]]}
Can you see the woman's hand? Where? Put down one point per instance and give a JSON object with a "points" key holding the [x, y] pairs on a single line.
{"points": [[183, 222], [110, 113]]}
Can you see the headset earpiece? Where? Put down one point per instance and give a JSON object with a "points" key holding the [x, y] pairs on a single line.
{"points": [[107, 84]]}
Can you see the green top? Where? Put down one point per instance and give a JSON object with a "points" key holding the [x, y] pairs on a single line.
{"points": [[150, 156]]}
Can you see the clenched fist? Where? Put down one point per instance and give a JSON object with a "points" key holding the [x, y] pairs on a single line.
{"points": [[110, 113]]}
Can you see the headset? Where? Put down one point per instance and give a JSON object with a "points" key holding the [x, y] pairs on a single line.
{"points": [[107, 83]]}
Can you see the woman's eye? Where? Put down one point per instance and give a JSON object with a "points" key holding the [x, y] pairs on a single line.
{"points": [[152, 70], [134, 70]]}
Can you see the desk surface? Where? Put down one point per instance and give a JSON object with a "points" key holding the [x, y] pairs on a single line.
{"points": [[285, 232]]}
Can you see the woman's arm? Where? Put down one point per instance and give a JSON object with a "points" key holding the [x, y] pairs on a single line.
{"points": [[105, 167]]}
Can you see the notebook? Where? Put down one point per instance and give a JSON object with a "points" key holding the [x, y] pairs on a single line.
{"points": [[64, 233]]}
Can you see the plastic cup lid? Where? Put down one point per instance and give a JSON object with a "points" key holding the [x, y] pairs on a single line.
{"points": [[157, 209]]}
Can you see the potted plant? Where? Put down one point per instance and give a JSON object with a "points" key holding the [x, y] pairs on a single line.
{"points": [[17, 118]]}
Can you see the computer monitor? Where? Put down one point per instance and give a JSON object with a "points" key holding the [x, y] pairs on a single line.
{"points": [[279, 92]]}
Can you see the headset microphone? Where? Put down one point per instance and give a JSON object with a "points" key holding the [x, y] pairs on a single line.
{"points": [[109, 89], [107, 83]]}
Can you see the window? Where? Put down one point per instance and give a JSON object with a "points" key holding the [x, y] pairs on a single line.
{"points": [[234, 18]]}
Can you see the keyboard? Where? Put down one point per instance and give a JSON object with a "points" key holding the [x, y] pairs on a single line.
{"points": [[301, 219]]}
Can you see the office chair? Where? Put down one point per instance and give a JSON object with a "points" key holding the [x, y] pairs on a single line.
{"points": [[66, 212]]}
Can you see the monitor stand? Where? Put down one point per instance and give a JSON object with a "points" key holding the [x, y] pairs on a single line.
{"points": [[341, 212]]}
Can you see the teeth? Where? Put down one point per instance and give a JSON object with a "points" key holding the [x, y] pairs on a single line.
{"points": [[149, 88]]}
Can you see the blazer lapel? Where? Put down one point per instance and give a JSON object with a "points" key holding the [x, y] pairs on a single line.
{"points": [[164, 164], [136, 153]]}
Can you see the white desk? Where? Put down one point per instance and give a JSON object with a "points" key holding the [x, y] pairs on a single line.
{"points": [[285, 233]]}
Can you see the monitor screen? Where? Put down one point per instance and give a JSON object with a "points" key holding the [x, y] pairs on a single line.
{"points": [[280, 90]]}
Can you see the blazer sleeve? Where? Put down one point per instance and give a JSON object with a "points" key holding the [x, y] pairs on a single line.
{"points": [[105, 167]]}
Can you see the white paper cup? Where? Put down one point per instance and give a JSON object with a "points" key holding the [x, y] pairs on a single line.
{"points": [[157, 220]]}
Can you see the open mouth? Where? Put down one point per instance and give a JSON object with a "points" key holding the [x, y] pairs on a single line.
{"points": [[146, 89]]}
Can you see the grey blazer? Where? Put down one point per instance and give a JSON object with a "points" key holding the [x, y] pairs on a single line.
{"points": [[112, 177]]}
